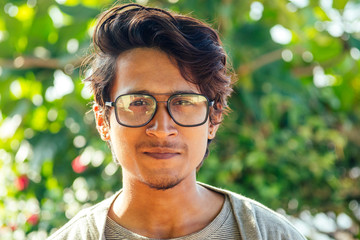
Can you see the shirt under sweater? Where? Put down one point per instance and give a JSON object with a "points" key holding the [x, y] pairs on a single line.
{"points": [[222, 227]]}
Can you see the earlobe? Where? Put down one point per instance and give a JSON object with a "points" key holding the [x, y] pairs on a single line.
{"points": [[101, 124], [212, 130]]}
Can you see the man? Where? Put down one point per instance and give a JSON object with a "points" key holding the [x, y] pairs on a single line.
{"points": [[160, 83]]}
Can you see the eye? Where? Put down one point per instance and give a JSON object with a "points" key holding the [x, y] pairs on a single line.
{"points": [[182, 102], [139, 103]]}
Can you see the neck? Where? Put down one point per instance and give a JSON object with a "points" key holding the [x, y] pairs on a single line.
{"points": [[174, 212]]}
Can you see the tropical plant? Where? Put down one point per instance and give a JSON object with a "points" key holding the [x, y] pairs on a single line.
{"points": [[292, 140]]}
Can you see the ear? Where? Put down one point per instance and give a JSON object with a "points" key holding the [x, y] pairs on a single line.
{"points": [[214, 127], [212, 130], [101, 124]]}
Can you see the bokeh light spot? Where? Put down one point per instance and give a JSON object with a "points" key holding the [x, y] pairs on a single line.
{"points": [[287, 55], [256, 10], [79, 141], [280, 35]]}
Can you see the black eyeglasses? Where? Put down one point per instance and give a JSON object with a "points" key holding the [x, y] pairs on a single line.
{"points": [[137, 110]]}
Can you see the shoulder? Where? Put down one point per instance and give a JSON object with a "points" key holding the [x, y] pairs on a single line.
{"points": [[270, 224], [86, 224], [257, 221]]}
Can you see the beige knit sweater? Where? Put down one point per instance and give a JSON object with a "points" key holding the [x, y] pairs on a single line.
{"points": [[254, 220]]}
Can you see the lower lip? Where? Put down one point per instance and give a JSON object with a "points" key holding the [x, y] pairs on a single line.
{"points": [[162, 155]]}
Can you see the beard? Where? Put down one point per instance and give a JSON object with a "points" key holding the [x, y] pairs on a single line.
{"points": [[162, 183]]}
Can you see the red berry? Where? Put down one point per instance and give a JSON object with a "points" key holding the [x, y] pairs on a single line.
{"points": [[22, 182], [78, 166], [33, 219], [13, 227]]}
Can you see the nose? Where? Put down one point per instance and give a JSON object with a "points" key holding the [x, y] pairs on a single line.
{"points": [[162, 125]]}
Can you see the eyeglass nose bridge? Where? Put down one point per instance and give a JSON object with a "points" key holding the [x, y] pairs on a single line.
{"points": [[167, 109]]}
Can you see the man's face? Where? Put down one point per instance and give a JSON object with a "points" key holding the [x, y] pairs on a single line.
{"points": [[160, 154]]}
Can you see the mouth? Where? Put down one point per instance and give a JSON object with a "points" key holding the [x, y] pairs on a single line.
{"points": [[159, 153]]}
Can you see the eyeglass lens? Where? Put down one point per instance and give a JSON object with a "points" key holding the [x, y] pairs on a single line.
{"points": [[138, 109]]}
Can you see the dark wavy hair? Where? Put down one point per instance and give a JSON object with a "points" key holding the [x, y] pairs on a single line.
{"points": [[194, 45]]}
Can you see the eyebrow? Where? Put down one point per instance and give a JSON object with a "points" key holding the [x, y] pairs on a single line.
{"points": [[152, 93]]}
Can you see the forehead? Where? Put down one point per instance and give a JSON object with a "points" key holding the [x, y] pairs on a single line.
{"points": [[148, 70]]}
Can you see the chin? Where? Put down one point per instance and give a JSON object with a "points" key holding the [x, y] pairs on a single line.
{"points": [[163, 183]]}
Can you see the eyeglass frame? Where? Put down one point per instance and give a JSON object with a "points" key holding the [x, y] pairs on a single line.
{"points": [[209, 104]]}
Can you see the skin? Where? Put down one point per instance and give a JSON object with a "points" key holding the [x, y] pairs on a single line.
{"points": [[160, 197]]}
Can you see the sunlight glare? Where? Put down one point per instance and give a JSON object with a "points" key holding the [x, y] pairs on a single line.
{"points": [[9, 126], [280, 35], [72, 45], [256, 10], [321, 79], [56, 16], [300, 3], [15, 88], [63, 85], [355, 53]]}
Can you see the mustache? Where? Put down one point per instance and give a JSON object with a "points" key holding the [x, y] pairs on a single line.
{"points": [[166, 144]]}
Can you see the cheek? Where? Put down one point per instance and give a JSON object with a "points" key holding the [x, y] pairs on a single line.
{"points": [[197, 142], [123, 147], [122, 140]]}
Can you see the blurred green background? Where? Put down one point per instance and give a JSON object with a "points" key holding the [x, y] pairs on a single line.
{"points": [[292, 140]]}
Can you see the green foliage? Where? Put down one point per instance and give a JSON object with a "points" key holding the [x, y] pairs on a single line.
{"points": [[291, 141]]}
